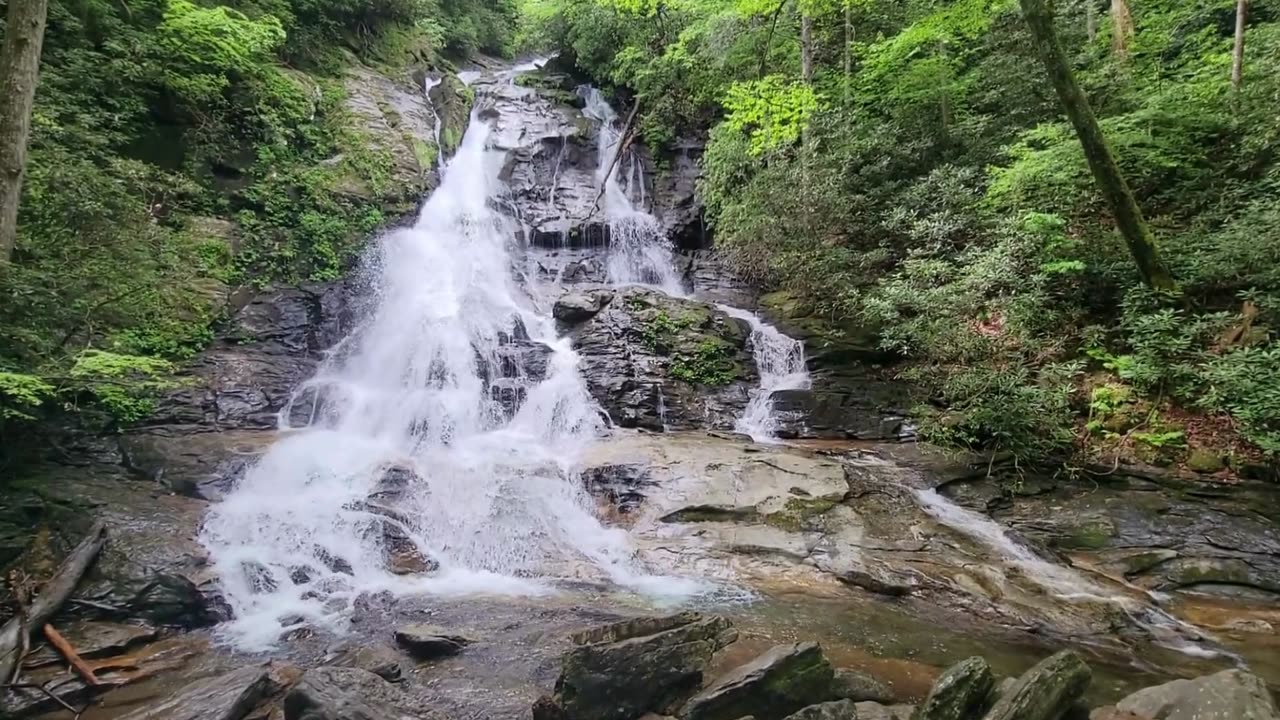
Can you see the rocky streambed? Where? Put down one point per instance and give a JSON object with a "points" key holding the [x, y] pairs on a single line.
{"points": [[897, 561]]}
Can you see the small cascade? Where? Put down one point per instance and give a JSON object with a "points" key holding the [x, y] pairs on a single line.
{"points": [[1067, 583], [428, 85], [781, 363], [639, 251]]}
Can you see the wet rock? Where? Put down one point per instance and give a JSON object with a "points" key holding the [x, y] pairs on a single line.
{"points": [[860, 687], [377, 659], [774, 685], [429, 642], [623, 670], [621, 485], [93, 639], [879, 579], [1228, 695], [659, 362], [576, 308], [675, 196], [393, 117], [876, 711], [964, 691], [340, 693], [226, 697], [712, 281], [1046, 691], [834, 710]]}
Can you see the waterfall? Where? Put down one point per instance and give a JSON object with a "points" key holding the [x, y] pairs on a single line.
{"points": [[639, 251], [456, 398], [781, 363]]}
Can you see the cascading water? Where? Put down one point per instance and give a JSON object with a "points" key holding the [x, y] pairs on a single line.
{"points": [[410, 407], [781, 363], [639, 252]]}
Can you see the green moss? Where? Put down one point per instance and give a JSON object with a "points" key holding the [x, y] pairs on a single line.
{"points": [[799, 514], [1092, 535], [427, 154]]}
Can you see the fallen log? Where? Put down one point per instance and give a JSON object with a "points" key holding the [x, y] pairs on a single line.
{"points": [[16, 633]]}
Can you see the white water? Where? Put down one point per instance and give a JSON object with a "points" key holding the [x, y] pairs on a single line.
{"points": [[428, 85], [493, 499], [639, 251], [1065, 582], [780, 361]]}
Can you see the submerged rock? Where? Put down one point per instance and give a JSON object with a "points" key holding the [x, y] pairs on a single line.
{"points": [[774, 685], [963, 691], [624, 670], [1046, 691], [1228, 695], [860, 687]]}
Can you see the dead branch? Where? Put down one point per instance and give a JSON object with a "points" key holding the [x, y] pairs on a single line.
{"points": [[62, 646], [16, 632], [624, 142]]}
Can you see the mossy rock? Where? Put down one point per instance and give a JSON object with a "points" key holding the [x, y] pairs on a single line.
{"points": [[1203, 460], [1092, 534], [829, 342]]}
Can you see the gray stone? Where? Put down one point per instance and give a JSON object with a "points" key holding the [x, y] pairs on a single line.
{"points": [[338, 693], [1046, 691], [964, 691], [860, 687], [658, 362], [429, 642], [774, 685], [876, 711], [623, 670], [834, 710], [377, 659], [1228, 695], [93, 639], [576, 308], [226, 697]]}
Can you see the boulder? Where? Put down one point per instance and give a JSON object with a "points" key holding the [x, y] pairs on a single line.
{"points": [[876, 711], [226, 697], [659, 363], [834, 710], [576, 308], [337, 693], [964, 691], [1046, 691], [774, 685], [624, 670], [860, 687], [377, 659], [429, 642], [1228, 695]]}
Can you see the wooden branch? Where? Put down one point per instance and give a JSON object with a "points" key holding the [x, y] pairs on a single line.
{"points": [[768, 40], [51, 597], [60, 643], [624, 141]]}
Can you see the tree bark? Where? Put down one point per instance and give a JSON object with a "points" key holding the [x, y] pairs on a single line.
{"points": [[19, 71], [1237, 52], [806, 47], [1121, 28], [1128, 216], [1091, 19], [848, 51], [54, 593]]}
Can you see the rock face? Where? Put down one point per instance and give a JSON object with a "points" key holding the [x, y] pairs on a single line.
{"points": [[963, 691], [834, 710], [622, 671], [337, 693], [1228, 695], [771, 687], [227, 697], [1046, 691], [658, 362]]}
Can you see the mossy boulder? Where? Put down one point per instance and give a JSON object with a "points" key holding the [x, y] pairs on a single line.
{"points": [[784, 680], [964, 691], [1046, 691]]}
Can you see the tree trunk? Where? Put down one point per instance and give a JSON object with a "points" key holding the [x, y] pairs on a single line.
{"points": [[1121, 28], [1237, 53], [1102, 162], [848, 51], [1091, 19], [19, 70], [806, 47]]}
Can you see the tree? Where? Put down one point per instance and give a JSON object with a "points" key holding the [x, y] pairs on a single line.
{"points": [[1128, 216], [1121, 28], [1237, 52], [806, 46], [19, 71]]}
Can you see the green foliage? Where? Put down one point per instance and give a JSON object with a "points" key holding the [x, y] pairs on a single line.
{"points": [[124, 385], [710, 363], [1243, 384], [771, 112], [21, 395]]}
